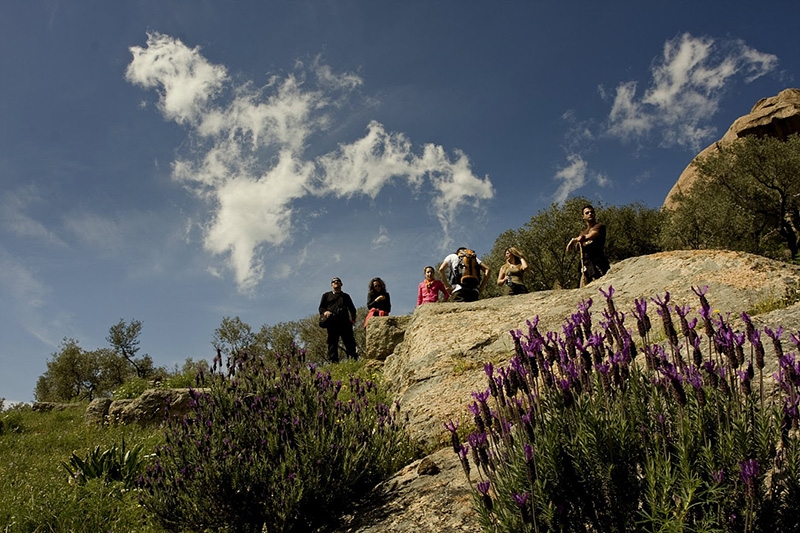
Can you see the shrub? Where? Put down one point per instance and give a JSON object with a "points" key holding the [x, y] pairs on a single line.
{"points": [[271, 445], [132, 388], [11, 420], [575, 435], [113, 464]]}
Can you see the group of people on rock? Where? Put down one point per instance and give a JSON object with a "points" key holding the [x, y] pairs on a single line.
{"points": [[338, 313]]}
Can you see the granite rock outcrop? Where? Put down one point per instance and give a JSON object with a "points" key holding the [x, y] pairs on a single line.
{"points": [[439, 362], [777, 116]]}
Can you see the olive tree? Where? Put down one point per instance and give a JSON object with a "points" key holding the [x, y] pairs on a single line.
{"points": [[124, 340], [632, 230], [747, 197], [77, 374], [233, 336]]}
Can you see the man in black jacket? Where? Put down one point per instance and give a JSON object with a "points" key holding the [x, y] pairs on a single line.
{"points": [[338, 314]]}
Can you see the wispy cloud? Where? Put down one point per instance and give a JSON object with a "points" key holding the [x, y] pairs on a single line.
{"points": [[572, 177], [28, 297], [250, 161], [688, 82], [382, 237], [13, 213], [98, 232]]}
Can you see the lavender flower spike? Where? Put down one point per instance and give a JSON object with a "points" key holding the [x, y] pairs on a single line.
{"points": [[749, 470], [520, 499]]}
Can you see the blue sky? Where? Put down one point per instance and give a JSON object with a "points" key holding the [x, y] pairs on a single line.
{"points": [[179, 162]]}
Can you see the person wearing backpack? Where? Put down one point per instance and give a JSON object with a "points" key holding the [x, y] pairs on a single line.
{"points": [[464, 275]]}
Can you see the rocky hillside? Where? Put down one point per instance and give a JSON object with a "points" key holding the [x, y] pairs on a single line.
{"points": [[441, 348], [777, 116]]}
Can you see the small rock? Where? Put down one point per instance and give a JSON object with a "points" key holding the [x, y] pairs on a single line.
{"points": [[427, 467]]}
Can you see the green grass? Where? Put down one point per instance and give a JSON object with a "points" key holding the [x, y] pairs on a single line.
{"points": [[35, 493], [772, 302]]}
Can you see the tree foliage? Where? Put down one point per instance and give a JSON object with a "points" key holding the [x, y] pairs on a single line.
{"points": [[77, 374], [236, 336], [747, 198], [632, 230], [124, 339], [233, 336]]}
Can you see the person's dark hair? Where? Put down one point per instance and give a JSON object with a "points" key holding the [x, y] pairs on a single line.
{"points": [[589, 206], [462, 248], [372, 292], [424, 270]]}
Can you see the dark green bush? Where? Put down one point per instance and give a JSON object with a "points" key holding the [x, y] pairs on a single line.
{"points": [[271, 445], [11, 420], [576, 434]]}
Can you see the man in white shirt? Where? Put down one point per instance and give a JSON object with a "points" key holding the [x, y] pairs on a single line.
{"points": [[451, 272]]}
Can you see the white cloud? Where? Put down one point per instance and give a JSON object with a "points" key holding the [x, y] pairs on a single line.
{"points": [[367, 164], [252, 166], [184, 79], [688, 81], [382, 237], [572, 177]]}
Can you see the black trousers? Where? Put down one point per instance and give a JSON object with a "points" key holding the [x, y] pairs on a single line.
{"points": [[345, 332]]}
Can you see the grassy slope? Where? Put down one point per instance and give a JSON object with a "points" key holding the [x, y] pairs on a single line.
{"points": [[35, 494]]}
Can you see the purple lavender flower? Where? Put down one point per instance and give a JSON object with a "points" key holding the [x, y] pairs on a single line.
{"points": [[463, 452], [682, 311], [641, 312], [481, 396], [528, 451], [758, 348], [795, 339], [701, 293], [776, 339], [748, 471], [608, 294], [609, 301], [520, 499], [483, 489]]}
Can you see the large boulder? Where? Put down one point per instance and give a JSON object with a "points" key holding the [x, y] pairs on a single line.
{"points": [[431, 494], [384, 333], [777, 116], [440, 362], [97, 411], [149, 408]]}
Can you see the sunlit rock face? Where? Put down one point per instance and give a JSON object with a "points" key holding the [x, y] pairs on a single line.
{"points": [[441, 358], [776, 116], [439, 361]]}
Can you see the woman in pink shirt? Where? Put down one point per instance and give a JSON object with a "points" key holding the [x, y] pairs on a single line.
{"points": [[430, 288]]}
